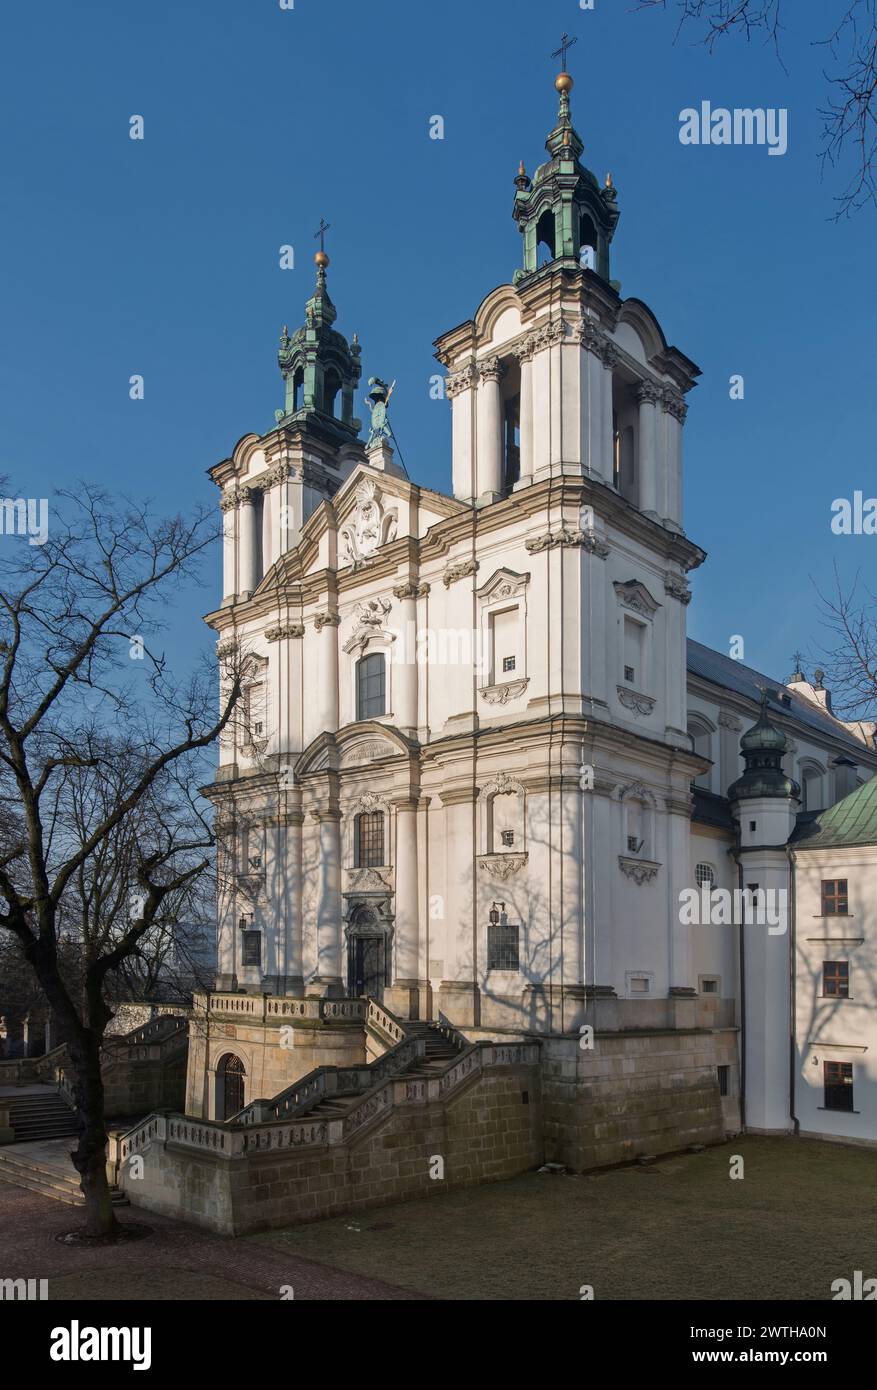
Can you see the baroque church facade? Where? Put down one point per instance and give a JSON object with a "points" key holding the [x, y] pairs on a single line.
{"points": [[477, 764]]}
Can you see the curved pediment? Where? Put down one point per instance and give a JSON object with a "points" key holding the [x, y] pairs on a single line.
{"points": [[357, 745]]}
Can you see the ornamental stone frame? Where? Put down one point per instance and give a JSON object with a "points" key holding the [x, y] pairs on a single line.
{"points": [[505, 590], [500, 785]]}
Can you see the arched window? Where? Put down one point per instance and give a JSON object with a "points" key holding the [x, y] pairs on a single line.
{"points": [[230, 1074], [371, 694], [298, 382], [331, 387], [368, 840], [705, 873], [812, 797], [587, 243], [702, 742], [545, 233]]}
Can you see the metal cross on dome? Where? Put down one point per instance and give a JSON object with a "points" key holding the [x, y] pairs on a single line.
{"points": [[566, 44], [321, 232]]}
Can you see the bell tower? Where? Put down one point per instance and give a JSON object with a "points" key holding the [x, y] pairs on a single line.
{"points": [[320, 368], [563, 211]]}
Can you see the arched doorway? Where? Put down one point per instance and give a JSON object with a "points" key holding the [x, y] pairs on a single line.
{"points": [[230, 1076], [366, 954]]}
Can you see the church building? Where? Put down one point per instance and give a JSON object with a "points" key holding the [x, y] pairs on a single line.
{"points": [[480, 782]]}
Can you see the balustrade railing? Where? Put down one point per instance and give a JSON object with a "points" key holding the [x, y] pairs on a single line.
{"points": [[272, 1125]]}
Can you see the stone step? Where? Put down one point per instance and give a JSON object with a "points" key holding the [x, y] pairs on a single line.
{"points": [[49, 1181]]}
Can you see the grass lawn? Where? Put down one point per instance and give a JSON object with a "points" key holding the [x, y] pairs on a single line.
{"points": [[804, 1214]]}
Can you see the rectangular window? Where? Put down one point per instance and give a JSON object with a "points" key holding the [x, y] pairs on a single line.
{"points": [[834, 897], [838, 1080], [724, 1079], [368, 840], [252, 948], [639, 984], [504, 634], [633, 651], [502, 947], [371, 692], [836, 979], [710, 986]]}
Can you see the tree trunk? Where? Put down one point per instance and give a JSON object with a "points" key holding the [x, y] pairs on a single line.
{"points": [[90, 1158]]}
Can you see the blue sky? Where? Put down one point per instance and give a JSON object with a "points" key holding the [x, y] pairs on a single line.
{"points": [[160, 257]]}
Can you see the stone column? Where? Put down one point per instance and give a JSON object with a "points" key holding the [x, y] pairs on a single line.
{"points": [[647, 461], [248, 578], [571, 893], [289, 859], [277, 519], [677, 410], [458, 992], [404, 994], [609, 357], [229, 508], [489, 458], [404, 657], [525, 357], [459, 388], [328, 979], [681, 961], [591, 402], [327, 693]]}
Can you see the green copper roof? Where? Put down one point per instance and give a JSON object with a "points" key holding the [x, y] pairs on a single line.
{"points": [[852, 821]]}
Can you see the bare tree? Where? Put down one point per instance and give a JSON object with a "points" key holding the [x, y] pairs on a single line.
{"points": [[850, 654], [849, 116], [105, 838]]}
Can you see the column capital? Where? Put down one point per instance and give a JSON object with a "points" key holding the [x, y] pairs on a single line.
{"points": [[322, 620], [462, 380], [410, 590], [491, 369], [648, 393]]}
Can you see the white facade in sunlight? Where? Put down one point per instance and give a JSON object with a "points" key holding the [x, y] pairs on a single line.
{"points": [[478, 765]]}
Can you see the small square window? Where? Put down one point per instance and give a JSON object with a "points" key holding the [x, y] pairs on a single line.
{"points": [[838, 1084], [252, 948], [752, 825], [502, 947], [835, 901], [508, 663], [836, 979], [508, 837], [640, 984], [633, 844], [709, 986], [629, 673]]}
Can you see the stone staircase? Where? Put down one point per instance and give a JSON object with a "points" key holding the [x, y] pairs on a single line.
{"points": [[40, 1112], [46, 1168], [439, 1050]]}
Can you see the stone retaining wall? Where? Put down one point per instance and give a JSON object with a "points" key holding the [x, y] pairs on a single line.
{"points": [[633, 1094], [490, 1130]]}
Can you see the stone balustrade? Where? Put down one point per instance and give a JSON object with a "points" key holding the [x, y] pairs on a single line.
{"points": [[278, 1009], [390, 1088]]}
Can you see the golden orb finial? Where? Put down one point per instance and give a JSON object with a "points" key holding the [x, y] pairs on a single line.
{"points": [[321, 259], [608, 180], [563, 82]]}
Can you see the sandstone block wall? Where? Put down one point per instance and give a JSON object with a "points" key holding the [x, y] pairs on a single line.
{"points": [[490, 1130], [633, 1095]]}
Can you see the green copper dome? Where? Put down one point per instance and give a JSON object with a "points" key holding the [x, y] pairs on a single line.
{"points": [[763, 747]]}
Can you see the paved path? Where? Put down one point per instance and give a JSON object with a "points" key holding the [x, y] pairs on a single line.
{"points": [[175, 1262]]}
